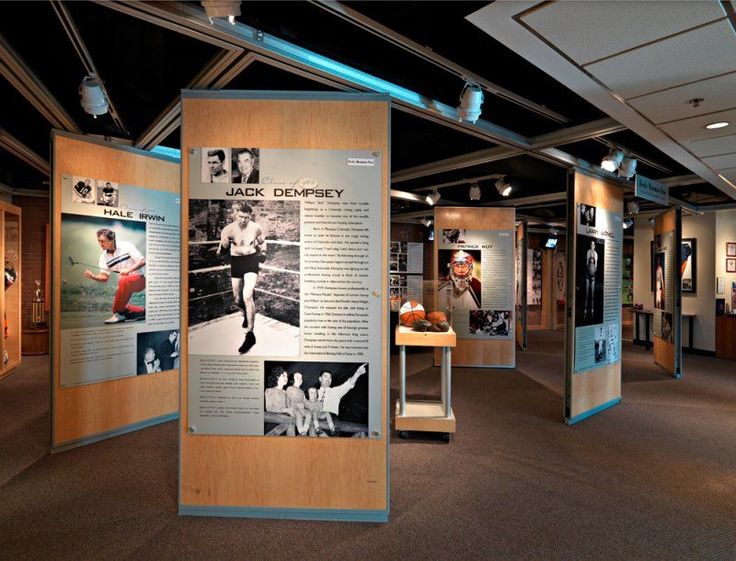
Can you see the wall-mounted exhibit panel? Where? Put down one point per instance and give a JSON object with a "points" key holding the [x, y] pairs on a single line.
{"points": [[475, 268], [286, 303], [520, 283], [10, 297], [667, 314], [115, 321], [593, 331]]}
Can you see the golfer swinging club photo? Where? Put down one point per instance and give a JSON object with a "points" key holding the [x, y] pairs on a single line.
{"points": [[244, 277], [103, 271]]}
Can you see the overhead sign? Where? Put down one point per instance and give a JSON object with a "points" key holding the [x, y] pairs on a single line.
{"points": [[652, 190]]}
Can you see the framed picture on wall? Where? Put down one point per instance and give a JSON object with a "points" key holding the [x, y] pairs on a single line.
{"points": [[730, 249], [731, 265], [689, 265]]}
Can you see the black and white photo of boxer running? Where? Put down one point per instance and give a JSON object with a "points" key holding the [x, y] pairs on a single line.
{"points": [[244, 238]]}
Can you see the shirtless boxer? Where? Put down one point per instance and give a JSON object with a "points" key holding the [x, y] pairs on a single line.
{"points": [[247, 247]]}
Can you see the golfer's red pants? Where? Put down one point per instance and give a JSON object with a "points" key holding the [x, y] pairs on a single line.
{"points": [[127, 286]]}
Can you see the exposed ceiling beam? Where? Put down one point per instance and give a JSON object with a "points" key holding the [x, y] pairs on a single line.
{"points": [[372, 26], [15, 71], [460, 182], [567, 135], [458, 162], [84, 55], [586, 131], [217, 73], [682, 180], [20, 150], [192, 21], [535, 199]]}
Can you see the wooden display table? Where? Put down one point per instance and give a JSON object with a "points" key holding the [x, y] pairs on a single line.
{"points": [[426, 416], [35, 341], [646, 341], [726, 336]]}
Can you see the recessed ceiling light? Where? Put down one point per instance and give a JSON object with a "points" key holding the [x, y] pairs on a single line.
{"points": [[718, 125]]}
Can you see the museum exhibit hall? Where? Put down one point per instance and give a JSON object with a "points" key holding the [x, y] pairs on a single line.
{"points": [[368, 280]]}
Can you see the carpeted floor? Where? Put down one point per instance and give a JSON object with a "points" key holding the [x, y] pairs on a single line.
{"points": [[652, 478]]}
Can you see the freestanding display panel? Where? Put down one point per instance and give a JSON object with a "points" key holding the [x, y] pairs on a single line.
{"points": [[285, 279], [113, 304], [593, 326], [475, 267], [10, 249], [667, 270], [521, 247]]}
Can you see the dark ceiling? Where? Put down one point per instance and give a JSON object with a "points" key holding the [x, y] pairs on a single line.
{"points": [[144, 66]]}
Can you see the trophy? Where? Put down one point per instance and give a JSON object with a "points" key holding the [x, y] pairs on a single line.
{"points": [[37, 309]]}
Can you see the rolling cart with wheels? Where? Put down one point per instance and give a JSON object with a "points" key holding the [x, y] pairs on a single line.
{"points": [[425, 416]]}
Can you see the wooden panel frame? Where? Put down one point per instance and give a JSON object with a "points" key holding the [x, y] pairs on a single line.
{"points": [[587, 392], [669, 355], [469, 352], [91, 412], [258, 476], [10, 299]]}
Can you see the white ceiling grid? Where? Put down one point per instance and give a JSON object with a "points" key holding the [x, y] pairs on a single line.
{"points": [[641, 62]]}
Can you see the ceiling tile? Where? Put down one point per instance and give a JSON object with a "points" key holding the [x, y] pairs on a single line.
{"points": [[713, 146], [600, 29], [689, 57], [718, 94], [694, 129], [724, 161]]}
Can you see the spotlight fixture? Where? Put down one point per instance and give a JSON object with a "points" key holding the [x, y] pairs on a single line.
{"points": [[92, 96], [427, 222], [613, 160], [474, 192], [471, 99], [503, 187], [717, 125], [553, 231], [628, 222], [433, 198], [632, 207], [651, 222], [221, 9], [627, 168]]}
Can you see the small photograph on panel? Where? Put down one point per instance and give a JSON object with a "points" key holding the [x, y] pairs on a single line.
{"points": [[667, 332], [490, 323], [395, 247], [453, 235], [157, 351], [246, 165], [589, 275], [102, 271], [613, 352], [601, 345], [587, 215], [402, 262], [107, 193], [402, 247], [395, 280], [460, 277], [315, 399], [83, 190], [244, 270], [215, 165], [393, 262], [659, 276]]}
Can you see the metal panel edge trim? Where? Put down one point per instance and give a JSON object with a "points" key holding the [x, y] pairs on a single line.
{"points": [[284, 95], [594, 411], [330, 515], [115, 432]]}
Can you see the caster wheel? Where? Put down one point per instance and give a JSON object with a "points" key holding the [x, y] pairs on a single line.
{"points": [[403, 434], [446, 437]]}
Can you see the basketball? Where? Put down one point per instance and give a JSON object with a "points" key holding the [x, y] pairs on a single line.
{"points": [[434, 317], [410, 312]]}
